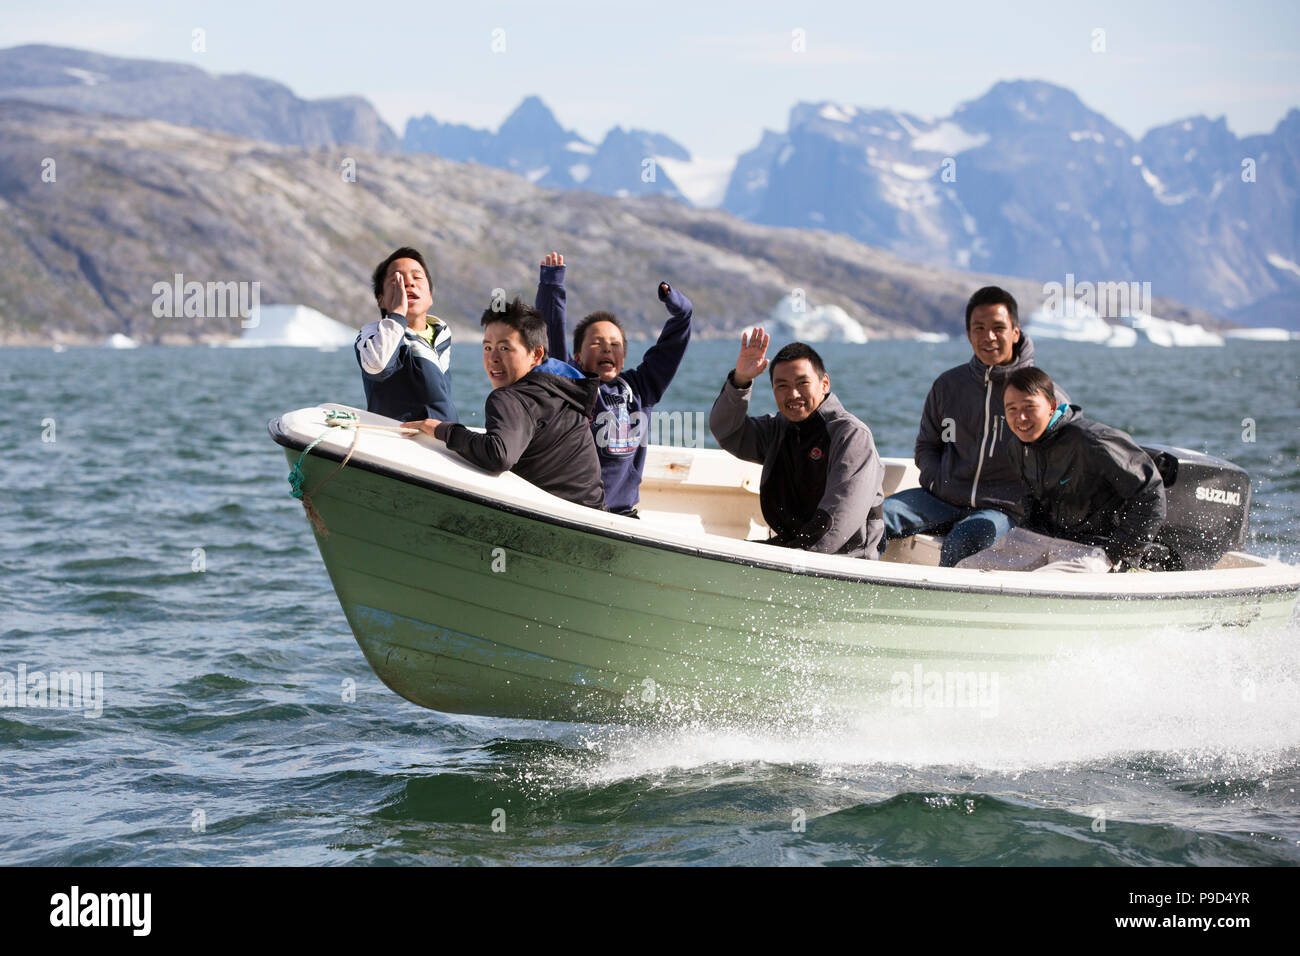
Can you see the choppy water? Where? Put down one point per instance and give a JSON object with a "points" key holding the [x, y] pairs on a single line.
{"points": [[225, 738]]}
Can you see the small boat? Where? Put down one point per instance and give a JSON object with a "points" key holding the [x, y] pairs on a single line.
{"points": [[479, 594]]}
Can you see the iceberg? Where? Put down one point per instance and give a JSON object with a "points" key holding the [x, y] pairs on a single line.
{"points": [[825, 323], [1076, 321], [1167, 333], [1260, 335], [119, 341], [296, 326]]}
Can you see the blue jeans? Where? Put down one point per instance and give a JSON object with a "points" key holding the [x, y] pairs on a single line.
{"points": [[967, 530]]}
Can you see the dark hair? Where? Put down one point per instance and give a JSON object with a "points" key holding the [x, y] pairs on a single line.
{"points": [[524, 319], [580, 329], [792, 353], [1032, 381], [992, 295], [381, 270]]}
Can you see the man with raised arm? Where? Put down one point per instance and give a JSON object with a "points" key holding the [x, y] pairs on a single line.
{"points": [[627, 396], [822, 480], [405, 354]]}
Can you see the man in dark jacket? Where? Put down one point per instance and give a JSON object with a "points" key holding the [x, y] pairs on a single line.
{"points": [[968, 489], [626, 397], [1093, 497], [536, 422], [822, 479]]}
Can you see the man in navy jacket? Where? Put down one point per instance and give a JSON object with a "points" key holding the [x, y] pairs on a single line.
{"points": [[621, 422]]}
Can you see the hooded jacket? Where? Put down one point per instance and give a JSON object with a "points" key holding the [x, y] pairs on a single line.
{"points": [[621, 420], [404, 372], [537, 428], [971, 469], [821, 488], [1090, 483]]}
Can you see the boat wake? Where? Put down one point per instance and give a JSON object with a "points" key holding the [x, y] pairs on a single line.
{"points": [[1202, 702]]}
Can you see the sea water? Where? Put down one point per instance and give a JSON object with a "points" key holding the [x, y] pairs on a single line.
{"points": [[149, 543]]}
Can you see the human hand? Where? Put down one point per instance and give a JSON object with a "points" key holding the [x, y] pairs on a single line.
{"points": [[553, 259], [424, 427], [752, 360], [395, 295]]}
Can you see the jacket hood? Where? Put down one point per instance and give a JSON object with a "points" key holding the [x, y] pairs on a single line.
{"points": [[579, 393], [1022, 356], [1071, 413]]}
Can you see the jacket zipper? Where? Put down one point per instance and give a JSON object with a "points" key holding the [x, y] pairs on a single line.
{"points": [[979, 467]]}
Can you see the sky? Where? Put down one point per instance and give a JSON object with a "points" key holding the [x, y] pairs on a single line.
{"points": [[714, 75]]}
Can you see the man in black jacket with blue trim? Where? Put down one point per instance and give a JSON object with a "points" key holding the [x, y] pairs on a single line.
{"points": [[1093, 498]]}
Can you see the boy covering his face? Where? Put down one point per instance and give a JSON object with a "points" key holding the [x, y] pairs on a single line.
{"points": [[405, 354]]}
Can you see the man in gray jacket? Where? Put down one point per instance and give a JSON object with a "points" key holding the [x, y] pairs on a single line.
{"points": [[822, 480], [969, 490]]}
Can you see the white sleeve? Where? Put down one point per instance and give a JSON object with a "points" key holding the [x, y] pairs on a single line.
{"points": [[377, 344]]}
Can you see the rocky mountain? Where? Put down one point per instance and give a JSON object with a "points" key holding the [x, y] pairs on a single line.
{"points": [[187, 96], [532, 143], [102, 213], [1028, 181]]}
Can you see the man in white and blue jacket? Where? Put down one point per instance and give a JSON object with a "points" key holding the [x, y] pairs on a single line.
{"points": [[620, 424], [404, 356]]}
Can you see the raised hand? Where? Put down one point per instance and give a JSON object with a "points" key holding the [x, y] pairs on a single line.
{"points": [[752, 361], [553, 259], [395, 295]]}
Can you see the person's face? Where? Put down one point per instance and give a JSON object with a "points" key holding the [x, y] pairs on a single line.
{"points": [[992, 335], [419, 294], [603, 351], [1027, 415], [798, 389], [505, 357]]}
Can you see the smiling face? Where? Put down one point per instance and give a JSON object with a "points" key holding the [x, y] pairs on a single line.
{"points": [[419, 294], [992, 334], [798, 389], [603, 351], [1027, 414], [506, 358]]}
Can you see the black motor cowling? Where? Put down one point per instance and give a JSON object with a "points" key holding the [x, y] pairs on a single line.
{"points": [[1207, 507]]}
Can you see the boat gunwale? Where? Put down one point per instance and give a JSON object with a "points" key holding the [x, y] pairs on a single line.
{"points": [[280, 437]]}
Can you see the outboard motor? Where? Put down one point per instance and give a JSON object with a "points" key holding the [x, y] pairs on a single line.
{"points": [[1207, 507]]}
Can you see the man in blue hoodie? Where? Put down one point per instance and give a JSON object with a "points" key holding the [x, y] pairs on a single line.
{"points": [[969, 490], [405, 354], [626, 397]]}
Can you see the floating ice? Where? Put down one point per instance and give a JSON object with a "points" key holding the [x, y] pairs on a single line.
{"points": [[825, 323], [298, 326]]}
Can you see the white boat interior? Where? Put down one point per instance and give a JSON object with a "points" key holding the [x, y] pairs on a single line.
{"points": [[708, 501]]}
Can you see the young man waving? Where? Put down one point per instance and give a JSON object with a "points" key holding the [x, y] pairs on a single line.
{"points": [[822, 479]]}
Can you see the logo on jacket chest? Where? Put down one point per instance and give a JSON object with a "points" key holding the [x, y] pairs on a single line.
{"points": [[816, 453]]}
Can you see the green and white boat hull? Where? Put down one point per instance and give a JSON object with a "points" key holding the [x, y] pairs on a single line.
{"points": [[476, 594]]}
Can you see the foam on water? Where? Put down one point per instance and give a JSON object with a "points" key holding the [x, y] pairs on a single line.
{"points": [[1207, 701]]}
